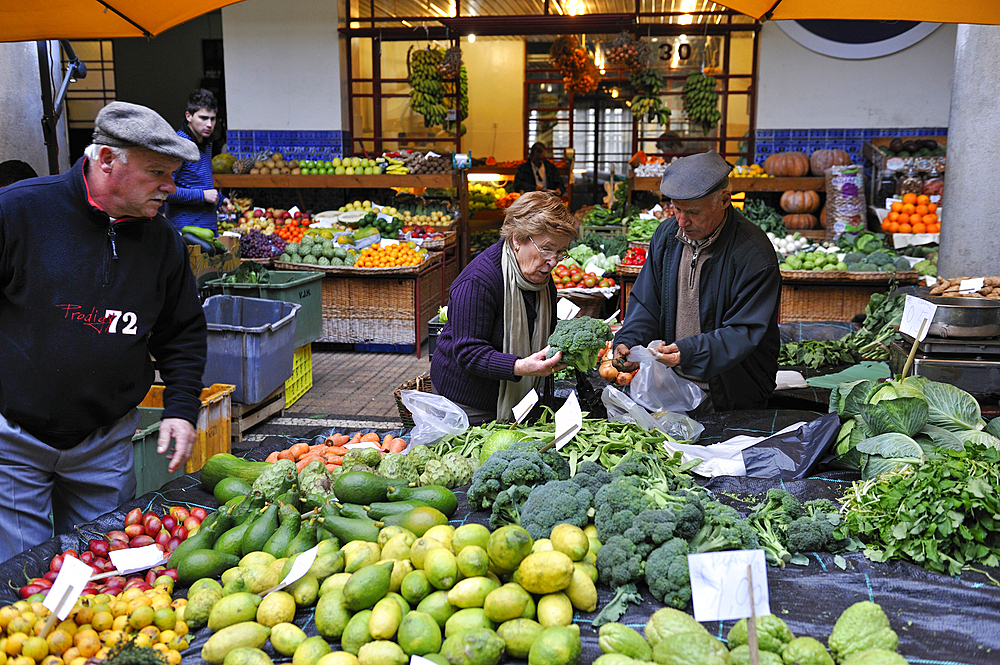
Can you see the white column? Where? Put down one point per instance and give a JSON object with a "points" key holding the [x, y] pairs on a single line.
{"points": [[969, 242]]}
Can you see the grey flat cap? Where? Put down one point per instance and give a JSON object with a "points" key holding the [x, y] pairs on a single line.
{"points": [[695, 176], [125, 125]]}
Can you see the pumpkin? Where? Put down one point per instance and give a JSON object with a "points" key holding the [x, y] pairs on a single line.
{"points": [[800, 221], [787, 164], [800, 201], [822, 217], [824, 158]]}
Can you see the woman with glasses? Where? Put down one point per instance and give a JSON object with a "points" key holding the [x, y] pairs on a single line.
{"points": [[502, 308]]}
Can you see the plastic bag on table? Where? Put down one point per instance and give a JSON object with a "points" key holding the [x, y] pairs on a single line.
{"points": [[657, 387], [792, 454], [621, 409], [434, 417]]}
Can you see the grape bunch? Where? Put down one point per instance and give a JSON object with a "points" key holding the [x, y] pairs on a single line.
{"points": [[258, 245], [701, 101]]}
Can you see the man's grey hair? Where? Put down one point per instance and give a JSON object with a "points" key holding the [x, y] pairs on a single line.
{"points": [[93, 150]]}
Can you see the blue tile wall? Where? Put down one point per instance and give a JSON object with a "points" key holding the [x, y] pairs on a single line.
{"points": [[771, 141], [291, 144]]}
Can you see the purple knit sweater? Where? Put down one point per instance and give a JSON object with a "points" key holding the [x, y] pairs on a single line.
{"points": [[468, 366]]}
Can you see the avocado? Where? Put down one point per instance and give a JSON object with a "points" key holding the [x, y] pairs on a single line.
{"points": [[436, 496], [361, 487]]}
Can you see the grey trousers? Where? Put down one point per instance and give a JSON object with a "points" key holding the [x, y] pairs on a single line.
{"points": [[76, 485]]}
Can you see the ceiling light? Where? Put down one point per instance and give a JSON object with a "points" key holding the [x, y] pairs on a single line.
{"points": [[614, 93], [472, 39]]}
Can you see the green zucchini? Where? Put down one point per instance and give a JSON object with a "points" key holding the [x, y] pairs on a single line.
{"points": [[204, 234]]}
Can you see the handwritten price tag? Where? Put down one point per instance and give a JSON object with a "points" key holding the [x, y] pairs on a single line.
{"points": [[69, 584], [917, 317], [719, 587]]}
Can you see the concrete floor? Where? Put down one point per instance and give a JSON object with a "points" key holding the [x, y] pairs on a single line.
{"points": [[355, 385]]}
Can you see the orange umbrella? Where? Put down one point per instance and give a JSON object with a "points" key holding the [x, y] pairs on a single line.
{"points": [[936, 11], [31, 20]]}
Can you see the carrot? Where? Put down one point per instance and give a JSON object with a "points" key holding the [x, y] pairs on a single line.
{"points": [[386, 441], [397, 446], [356, 438], [285, 454], [334, 459], [337, 439], [272, 458], [337, 450], [332, 467], [298, 449], [306, 459], [318, 448], [370, 437]]}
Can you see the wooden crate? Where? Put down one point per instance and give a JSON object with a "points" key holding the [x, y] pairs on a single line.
{"points": [[212, 430], [245, 416]]}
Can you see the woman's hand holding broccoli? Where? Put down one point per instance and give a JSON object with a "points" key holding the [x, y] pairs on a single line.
{"points": [[537, 364]]}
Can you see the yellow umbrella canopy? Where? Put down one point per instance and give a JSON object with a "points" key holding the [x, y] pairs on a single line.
{"points": [[936, 11], [30, 20]]}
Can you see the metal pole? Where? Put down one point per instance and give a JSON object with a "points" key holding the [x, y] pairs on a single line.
{"points": [[48, 117]]}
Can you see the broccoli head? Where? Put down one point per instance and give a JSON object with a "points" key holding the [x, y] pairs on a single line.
{"points": [[667, 573], [521, 464], [507, 506], [617, 504], [580, 340], [771, 519], [688, 509], [591, 476], [650, 529], [618, 562], [723, 529], [555, 502]]}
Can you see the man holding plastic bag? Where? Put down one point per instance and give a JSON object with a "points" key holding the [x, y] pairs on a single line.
{"points": [[709, 289]]}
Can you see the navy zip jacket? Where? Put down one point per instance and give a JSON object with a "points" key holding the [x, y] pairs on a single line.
{"points": [[187, 206], [83, 304], [739, 292]]}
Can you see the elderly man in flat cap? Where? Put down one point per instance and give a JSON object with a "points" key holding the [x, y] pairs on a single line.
{"points": [[709, 289], [96, 292]]}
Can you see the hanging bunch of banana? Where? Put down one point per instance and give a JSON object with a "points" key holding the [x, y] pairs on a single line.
{"points": [[647, 104], [463, 98], [427, 90], [701, 101]]}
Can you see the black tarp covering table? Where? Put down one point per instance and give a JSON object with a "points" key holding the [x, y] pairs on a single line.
{"points": [[940, 620]]}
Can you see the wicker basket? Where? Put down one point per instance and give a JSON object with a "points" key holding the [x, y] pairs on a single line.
{"points": [[624, 269], [421, 383], [432, 257], [902, 278], [449, 239], [832, 295]]}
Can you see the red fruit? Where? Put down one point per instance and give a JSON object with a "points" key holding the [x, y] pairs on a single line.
{"points": [[611, 281], [150, 577], [118, 545], [171, 573], [29, 590], [133, 530], [51, 575], [180, 532], [173, 543], [56, 563], [162, 538], [98, 546], [134, 516], [115, 582], [71, 553], [199, 513], [117, 535], [169, 522], [153, 525], [87, 557], [136, 583], [97, 569], [191, 523], [603, 283], [41, 581], [141, 541], [180, 512]]}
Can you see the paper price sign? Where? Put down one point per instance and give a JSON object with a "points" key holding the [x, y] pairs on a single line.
{"points": [[303, 562], [566, 309], [522, 408], [129, 561], [971, 285], [917, 317], [720, 588], [69, 584], [569, 421]]}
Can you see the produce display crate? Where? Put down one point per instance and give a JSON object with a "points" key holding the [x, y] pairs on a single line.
{"points": [[450, 238], [251, 342], [432, 257], [302, 375], [434, 328], [381, 307], [245, 416], [625, 269], [303, 288], [832, 295], [212, 435], [421, 383], [618, 231]]}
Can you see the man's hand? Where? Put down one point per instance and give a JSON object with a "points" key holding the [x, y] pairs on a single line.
{"points": [[670, 355], [539, 188], [621, 362], [537, 365], [211, 195], [183, 434], [557, 191]]}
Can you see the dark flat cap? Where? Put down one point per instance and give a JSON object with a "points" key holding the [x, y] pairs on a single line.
{"points": [[125, 125], [695, 176]]}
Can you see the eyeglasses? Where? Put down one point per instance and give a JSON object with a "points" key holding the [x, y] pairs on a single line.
{"points": [[548, 254]]}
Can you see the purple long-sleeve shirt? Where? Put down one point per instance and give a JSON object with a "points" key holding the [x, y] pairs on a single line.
{"points": [[468, 364]]}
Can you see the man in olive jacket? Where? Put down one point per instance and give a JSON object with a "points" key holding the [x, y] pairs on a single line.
{"points": [[709, 289]]}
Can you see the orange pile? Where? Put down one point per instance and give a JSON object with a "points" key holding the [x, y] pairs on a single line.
{"points": [[916, 214], [291, 233], [391, 256]]}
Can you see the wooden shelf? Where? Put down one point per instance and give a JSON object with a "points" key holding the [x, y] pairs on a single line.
{"points": [[749, 184], [334, 181]]}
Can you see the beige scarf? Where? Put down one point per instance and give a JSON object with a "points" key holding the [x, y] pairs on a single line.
{"points": [[515, 339]]}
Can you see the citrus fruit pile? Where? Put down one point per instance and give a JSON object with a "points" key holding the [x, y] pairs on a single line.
{"points": [[915, 214], [389, 256]]}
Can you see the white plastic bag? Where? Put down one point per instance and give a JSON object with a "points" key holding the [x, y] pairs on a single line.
{"points": [[434, 417], [621, 409], [657, 387]]}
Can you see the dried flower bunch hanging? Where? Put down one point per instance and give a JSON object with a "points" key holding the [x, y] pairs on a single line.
{"points": [[578, 70], [628, 52]]}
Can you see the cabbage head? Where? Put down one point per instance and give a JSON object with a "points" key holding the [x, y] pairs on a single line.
{"points": [[886, 452], [905, 415], [949, 407]]}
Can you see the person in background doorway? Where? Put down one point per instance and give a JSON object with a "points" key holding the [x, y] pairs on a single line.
{"points": [[96, 294], [14, 170], [538, 174], [196, 201], [709, 289]]}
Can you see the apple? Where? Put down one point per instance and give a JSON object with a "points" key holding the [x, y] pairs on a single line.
{"points": [[256, 213]]}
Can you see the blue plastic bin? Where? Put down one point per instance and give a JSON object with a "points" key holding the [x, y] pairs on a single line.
{"points": [[251, 343]]}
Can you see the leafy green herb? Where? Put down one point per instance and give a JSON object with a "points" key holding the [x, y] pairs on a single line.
{"points": [[943, 514], [764, 216], [816, 354]]}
